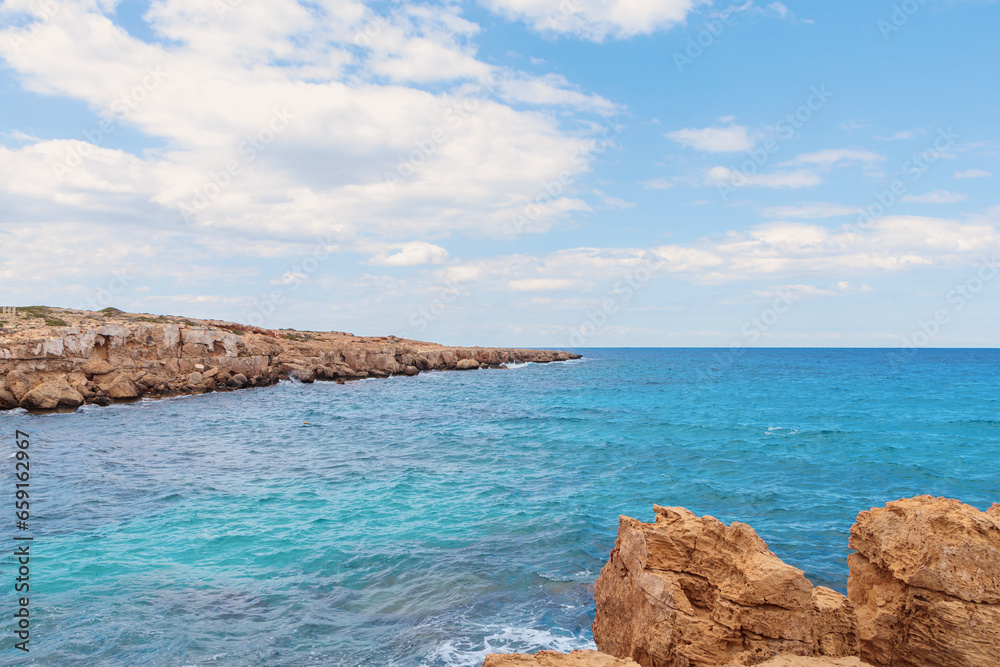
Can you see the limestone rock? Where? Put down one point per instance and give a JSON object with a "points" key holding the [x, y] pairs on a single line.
{"points": [[466, 364], [692, 592], [18, 384], [554, 659], [802, 661], [167, 355], [122, 387], [7, 400], [52, 395], [926, 583], [97, 366]]}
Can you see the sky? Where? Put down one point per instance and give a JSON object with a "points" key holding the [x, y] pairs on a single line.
{"points": [[557, 173]]}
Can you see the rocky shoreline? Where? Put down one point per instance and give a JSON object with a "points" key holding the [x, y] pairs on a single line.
{"points": [[687, 591], [60, 359]]}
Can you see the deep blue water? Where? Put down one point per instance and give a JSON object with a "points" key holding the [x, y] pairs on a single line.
{"points": [[428, 520]]}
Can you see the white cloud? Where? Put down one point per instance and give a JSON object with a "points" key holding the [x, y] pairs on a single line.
{"points": [[973, 173], [411, 254], [595, 20], [902, 135], [723, 139], [365, 150], [541, 284], [836, 157], [772, 251], [799, 178], [936, 197], [810, 211]]}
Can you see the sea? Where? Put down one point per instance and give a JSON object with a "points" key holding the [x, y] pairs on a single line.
{"points": [[428, 521]]}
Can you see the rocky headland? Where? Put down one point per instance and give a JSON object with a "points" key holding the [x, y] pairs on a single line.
{"points": [[688, 591], [60, 359]]}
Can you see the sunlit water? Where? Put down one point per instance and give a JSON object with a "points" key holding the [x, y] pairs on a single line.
{"points": [[427, 521]]}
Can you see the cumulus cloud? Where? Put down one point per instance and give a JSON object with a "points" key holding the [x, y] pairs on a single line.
{"points": [[778, 250], [730, 138], [799, 178], [289, 120], [411, 254], [936, 197], [595, 20]]}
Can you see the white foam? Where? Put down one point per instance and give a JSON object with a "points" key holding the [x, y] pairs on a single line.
{"points": [[472, 653]]}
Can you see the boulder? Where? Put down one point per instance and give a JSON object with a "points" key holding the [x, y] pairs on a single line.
{"points": [[7, 400], [97, 366], [412, 370], [195, 379], [466, 365], [122, 388], [237, 381], [554, 659], [926, 583], [18, 384], [52, 395], [692, 592]]}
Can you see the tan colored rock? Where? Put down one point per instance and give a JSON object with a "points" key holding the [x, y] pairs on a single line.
{"points": [[7, 400], [926, 583], [466, 364], [803, 661], [122, 387], [554, 659], [97, 366], [692, 592], [52, 395], [161, 353], [18, 384]]}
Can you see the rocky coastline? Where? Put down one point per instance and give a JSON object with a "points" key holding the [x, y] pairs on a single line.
{"points": [[60, 359], [687, 591]]}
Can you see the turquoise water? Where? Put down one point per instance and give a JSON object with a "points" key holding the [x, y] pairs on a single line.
{"points": [[425, 521]]}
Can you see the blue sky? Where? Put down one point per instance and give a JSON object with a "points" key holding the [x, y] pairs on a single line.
{"points": [[556, 173]]}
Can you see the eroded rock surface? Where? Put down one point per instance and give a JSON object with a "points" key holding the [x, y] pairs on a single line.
{"points": [[58, 358], [926, 583], [692, 592], [554, 659]]}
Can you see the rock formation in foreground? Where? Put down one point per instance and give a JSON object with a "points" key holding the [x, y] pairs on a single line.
{"points": [[923, 591], [693, 592], [52, 358], [926, 583], [554, 659]]}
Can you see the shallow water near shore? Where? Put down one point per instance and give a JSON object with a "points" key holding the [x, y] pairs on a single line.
{"points": [[427, 521]]}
